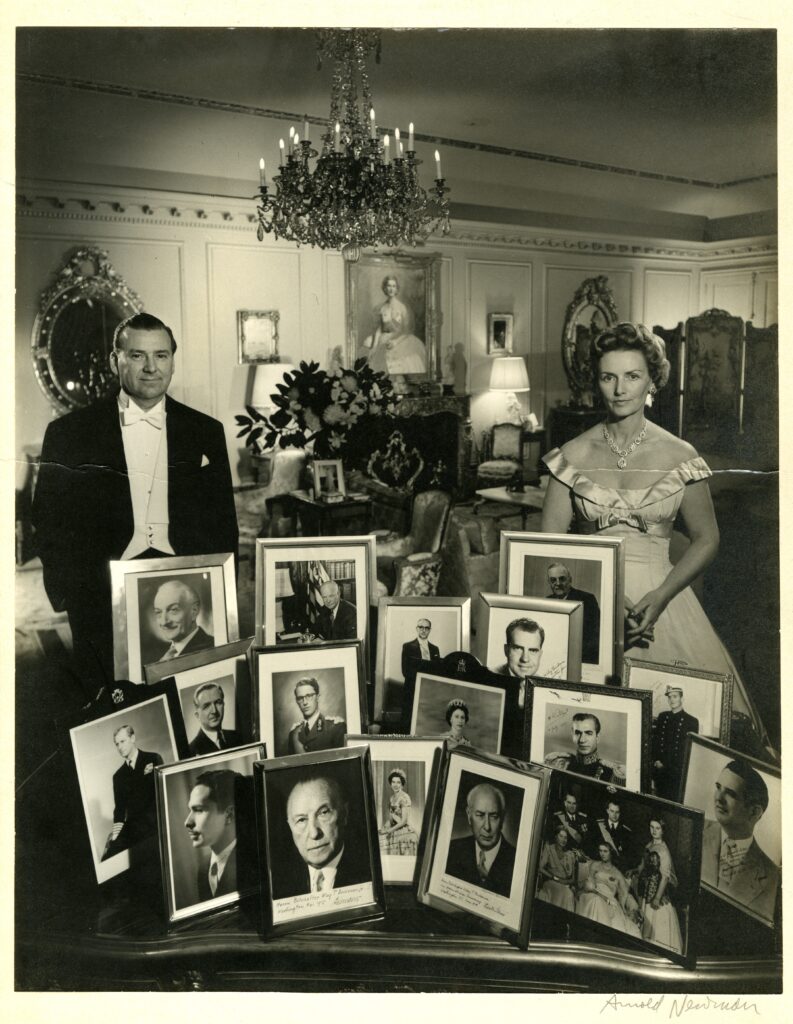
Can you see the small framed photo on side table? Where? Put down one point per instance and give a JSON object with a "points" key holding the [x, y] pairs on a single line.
{"points": [[483, 840], [306, 880], [328, 478]]}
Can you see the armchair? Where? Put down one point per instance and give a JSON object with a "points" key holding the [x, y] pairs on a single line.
{"points": [[503, 458], [411, 564]]}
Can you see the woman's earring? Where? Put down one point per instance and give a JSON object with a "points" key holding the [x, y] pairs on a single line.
{"points": [[648, 401]]}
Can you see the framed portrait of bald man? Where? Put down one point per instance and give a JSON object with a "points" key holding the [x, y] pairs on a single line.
{"points": [[165, 608], [308, 698], [741, 799], [215, 695], [482, 844], [206, 824], [588, 570], [411, 630], [596, 732], [317, 840]]}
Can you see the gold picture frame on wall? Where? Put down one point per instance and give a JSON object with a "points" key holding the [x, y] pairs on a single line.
{"points": [[257, 335], [393, 315]]}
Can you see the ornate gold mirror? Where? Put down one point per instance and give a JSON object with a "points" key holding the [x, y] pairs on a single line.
{"points": [[590, 312], [73, 330]]}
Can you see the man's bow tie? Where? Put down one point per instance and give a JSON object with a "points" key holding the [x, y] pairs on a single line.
{"points": [[135, 415]]}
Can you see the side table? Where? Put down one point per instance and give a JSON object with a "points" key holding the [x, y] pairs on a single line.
{"points": [[332, 519]]}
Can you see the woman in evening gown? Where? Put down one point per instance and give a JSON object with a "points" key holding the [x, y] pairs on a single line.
{"points": [[604, 896], [557, 871], [629, 478], [654, 879], [397, 837], [394, 350]]}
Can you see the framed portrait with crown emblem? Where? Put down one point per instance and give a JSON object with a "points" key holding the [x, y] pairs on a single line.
{"points": [[393, 315]]}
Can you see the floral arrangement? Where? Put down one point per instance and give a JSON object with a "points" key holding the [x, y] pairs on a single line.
{"points": [[319, 410]]}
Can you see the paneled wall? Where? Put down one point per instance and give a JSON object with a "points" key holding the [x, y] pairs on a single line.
{"points": [[195, 261]]}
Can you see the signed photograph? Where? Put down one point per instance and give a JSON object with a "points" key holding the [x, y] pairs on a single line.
{"points": [[465, 714], [207, 833], [318, 845], [481, 855], [531, 636]]}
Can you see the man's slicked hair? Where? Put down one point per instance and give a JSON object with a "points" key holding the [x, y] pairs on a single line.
{"points": [[141, 322]]}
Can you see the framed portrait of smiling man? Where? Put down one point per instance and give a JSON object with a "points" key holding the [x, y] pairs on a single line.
{"points": [[742, 842], [482, 844], [598, 733], [207, 835], [317, 838], [561, 568], [164, 608], [525, 636]]}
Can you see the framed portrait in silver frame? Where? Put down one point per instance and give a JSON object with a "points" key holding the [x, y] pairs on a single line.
{"points": [[601, 733], [408, 627], [499, 333], [115, 757], [328, 478], [257, 335], [207, 831], [309, 697], [402, 768], [215, 695], [305, 883], [393, 314], [483, 840], [291, 576], [166, 607], [684, 700], [621, 867], [526, 636], [741, 799], [587, 569]]}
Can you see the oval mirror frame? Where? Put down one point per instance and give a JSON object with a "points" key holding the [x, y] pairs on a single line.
{"points": [[592, 310], [87, 289]]}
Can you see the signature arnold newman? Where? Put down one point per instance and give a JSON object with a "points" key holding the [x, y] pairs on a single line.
{"points": [[680, 1005]]}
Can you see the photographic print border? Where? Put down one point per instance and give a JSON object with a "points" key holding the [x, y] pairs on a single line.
{"points": [[569, 610], [496, 769], [613, 558], [198, 764], [385, 747], [383, 605], [127, 665], [596, 693], [354, 692], [760, 766], [264, 769]]}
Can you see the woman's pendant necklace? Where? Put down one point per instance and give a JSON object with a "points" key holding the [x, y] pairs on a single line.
{"points": [[622, 456]]}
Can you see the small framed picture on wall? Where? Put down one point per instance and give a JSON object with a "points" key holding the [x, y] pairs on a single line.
{"points": [[499, 333]]}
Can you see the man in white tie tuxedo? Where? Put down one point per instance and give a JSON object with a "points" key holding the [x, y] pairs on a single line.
{"points": [[135, 475]]}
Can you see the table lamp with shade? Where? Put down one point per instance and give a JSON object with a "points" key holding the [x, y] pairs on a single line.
{"points": [[509, 375], [265, 378]]}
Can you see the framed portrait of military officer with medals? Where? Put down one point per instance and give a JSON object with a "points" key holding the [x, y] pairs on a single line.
{"points": [[309, 697]]}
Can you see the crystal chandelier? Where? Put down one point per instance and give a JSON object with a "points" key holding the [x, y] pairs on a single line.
{"points": [[364, 189]]}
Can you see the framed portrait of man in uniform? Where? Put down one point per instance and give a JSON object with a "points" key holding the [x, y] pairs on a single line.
{"points": [[309, 697], [588, 730]]}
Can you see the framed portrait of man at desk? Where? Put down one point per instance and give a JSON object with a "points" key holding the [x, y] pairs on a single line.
{"points": [[741, 799], [563, 567], [165, 608], [483, 840], [309, 697], [318, 851], [313, 590], [207, 831]]}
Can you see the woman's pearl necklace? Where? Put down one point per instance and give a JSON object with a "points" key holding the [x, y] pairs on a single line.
{"points": [[622, 456]]}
